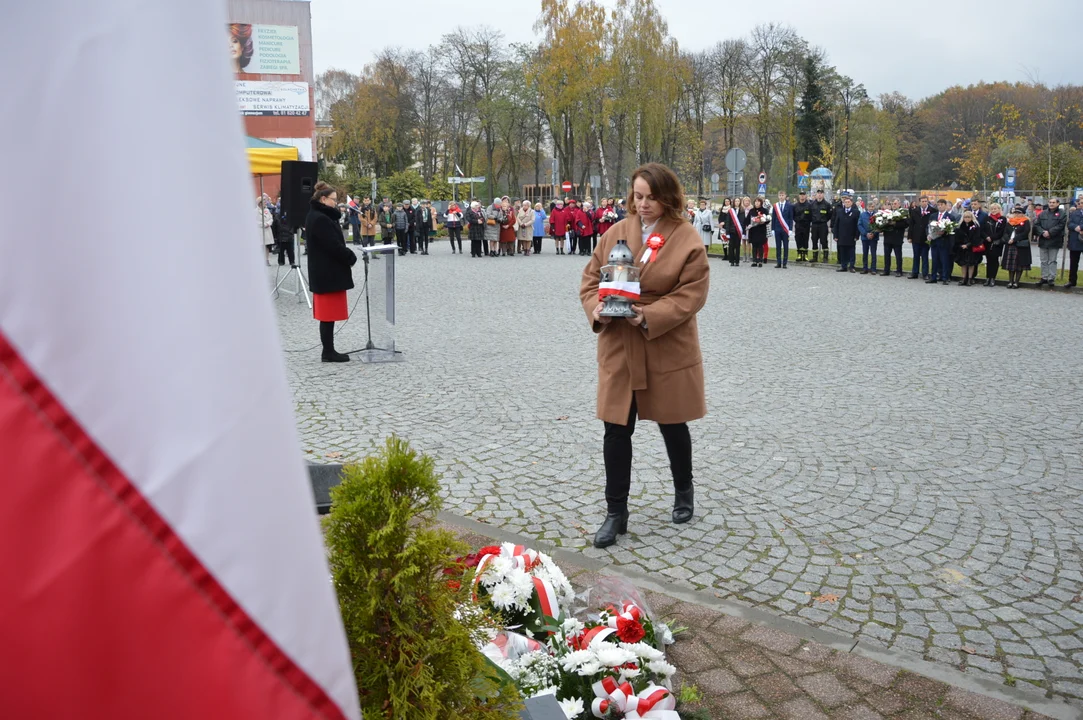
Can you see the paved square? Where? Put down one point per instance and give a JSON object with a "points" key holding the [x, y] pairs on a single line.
{"points": [[914, 450]]}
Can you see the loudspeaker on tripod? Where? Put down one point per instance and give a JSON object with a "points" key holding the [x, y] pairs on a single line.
{"points": [[298, 184]]}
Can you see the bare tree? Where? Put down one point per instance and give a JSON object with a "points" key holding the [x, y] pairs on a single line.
{"points": [[769, 45], [730, 68], [331, 86]]}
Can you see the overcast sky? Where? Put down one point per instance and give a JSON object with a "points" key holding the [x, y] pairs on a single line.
{"points": [[881, 43]]}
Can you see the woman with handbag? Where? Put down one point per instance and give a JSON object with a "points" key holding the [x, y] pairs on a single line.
{"points": [[1016, 257], [704, 223], [494, 218], [996, 225], [969, 248]]}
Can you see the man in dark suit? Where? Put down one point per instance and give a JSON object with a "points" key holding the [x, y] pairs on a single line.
{"points": [[782, 225], [1075, 241], [844, 228], [941, 246], [920, 217], [979, 214]]}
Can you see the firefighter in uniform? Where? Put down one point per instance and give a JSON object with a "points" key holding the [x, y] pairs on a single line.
{"points": [[802, 221], [820, 211]]}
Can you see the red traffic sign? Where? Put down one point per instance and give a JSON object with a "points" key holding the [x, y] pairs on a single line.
{"points": [[566, 186], [763, 178]]}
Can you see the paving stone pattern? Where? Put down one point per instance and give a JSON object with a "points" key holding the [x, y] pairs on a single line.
{"points": [[913, 450]]}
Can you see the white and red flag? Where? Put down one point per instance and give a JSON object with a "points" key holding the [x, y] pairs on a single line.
{"points": [[159, 553]]}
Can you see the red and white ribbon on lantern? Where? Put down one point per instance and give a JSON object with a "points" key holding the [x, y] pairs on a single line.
{"points": [[654, 244], [629, 290]]}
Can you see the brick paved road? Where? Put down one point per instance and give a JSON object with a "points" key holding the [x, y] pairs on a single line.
{"points": [[914, 450]]}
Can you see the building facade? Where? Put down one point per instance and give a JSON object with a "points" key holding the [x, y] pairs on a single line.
{"points": [[270, 47]]}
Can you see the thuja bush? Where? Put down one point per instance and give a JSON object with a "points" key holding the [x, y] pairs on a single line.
{"points": [[413, 649]]}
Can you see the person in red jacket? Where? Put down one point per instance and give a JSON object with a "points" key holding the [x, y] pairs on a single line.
{"points": [[571, 213], [582, 226], [605, 216], [558, 225]]}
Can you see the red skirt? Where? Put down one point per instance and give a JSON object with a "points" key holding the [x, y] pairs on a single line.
{"points": [[330, 307]]}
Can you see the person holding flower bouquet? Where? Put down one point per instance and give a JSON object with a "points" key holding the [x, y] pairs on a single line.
{"points": [[893, 237], [650, 366], [941, 242], [969, 247], [756, 221], [1016, 257]]}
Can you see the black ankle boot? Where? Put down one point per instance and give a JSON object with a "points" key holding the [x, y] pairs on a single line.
{"points": [[615, 523], [683, 505], [335, 357]]}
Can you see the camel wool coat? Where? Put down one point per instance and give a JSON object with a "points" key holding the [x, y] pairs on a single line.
{"points": [[662, 365]]}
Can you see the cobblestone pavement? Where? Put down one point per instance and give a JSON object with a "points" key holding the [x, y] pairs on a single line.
{"points": [[913, 450]]}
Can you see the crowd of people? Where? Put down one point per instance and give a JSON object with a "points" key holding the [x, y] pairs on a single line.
{"points": [[941, 235]]}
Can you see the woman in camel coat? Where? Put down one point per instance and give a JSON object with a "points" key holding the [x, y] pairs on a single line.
{"points": [[650, 366]]}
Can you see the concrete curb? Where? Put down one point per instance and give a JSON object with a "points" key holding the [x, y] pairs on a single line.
{"points": [[1051, 707], [826, 266]]}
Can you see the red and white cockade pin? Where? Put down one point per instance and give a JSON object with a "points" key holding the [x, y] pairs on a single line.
{"points": [[654, 244]]}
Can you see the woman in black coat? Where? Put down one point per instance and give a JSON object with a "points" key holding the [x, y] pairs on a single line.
{"points": [[756, 220], [731, 230], [969, 248], [329, 263], [474, 218], [1016, 257], [993, 231]]}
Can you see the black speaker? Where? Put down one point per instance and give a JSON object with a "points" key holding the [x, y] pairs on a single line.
{"points": [[298, 184]]}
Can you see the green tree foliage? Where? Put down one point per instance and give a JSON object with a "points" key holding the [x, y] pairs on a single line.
{"points": [[814, 119], [403, 186], [413, 659]]}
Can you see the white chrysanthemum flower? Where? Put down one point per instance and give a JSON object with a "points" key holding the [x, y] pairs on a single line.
{"points": [[503, 597], [629, 674], [572, 707], [571, 626], [523, 583], [551, 690], [573, 660], [498, 567], [644, 651], [592, 668], [661, 667], [610, 655]]}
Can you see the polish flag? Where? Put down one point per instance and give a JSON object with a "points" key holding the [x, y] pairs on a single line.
{"points": [[1000, 176], [159, 552]]}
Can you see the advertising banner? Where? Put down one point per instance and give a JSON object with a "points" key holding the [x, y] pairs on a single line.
{"points": [[264, 49], [273, 99]]}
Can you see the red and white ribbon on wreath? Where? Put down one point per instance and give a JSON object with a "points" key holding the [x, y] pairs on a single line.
{"points": [[654, 244], [654, 703], [778, 215], [519, 555], [547, 598], [629, 290]]}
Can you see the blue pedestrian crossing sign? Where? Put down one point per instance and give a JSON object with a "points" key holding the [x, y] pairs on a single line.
{"points": [[762, 190], [802, 182]]}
